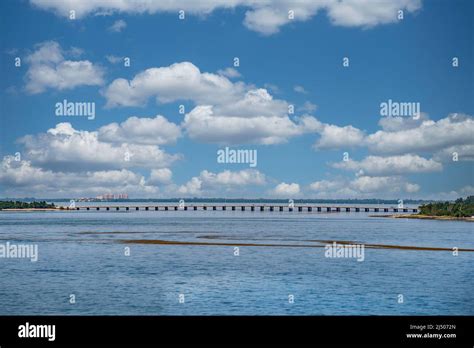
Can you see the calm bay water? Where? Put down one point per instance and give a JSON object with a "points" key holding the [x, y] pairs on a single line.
{"points": [[81, 253]]}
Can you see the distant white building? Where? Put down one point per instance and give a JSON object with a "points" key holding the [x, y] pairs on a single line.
{"points": [[109, 196]]}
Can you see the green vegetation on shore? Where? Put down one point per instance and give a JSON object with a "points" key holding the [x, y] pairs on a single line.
{"points": [[459, 208], [26, 205]]}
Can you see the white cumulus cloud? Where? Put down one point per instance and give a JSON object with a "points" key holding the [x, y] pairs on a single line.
{"points": [[363, 187], [286, 190], [179, 81], [22, 178], [229, 72], [208, 182], [67, 149], [48, 68], [391, 165], [429, 136], [225, 112], [141, 130], [441, 138], [335, 137], [160, 176], [204, 125]]}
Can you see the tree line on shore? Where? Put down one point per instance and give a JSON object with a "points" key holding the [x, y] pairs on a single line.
{"points": [[26, 205], [459, 208]]}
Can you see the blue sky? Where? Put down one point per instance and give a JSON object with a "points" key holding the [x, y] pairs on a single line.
{"points": [[282, 62]]}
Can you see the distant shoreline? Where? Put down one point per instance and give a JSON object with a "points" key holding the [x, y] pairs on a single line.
{"points": [[226, 200], [426, 217]]}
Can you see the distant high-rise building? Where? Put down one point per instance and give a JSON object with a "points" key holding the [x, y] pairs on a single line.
{"points": [[110, 196]]}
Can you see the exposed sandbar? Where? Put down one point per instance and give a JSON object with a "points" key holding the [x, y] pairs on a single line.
{"points": [[323, 242], [387, 246], [172, 242]]}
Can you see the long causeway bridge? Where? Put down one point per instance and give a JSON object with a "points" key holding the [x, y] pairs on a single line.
{"points": [[243, 207]]}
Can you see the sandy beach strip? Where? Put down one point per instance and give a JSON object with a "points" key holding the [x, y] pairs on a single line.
{"points": [[425, 217]]}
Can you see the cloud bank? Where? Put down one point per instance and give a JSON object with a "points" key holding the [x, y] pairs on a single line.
{"points": [[266, 17]]}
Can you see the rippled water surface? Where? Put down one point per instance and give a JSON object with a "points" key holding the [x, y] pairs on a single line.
{"points": [[83, 253]]}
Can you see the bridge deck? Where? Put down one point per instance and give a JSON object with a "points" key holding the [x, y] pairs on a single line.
{"points": [[244, 207]]}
